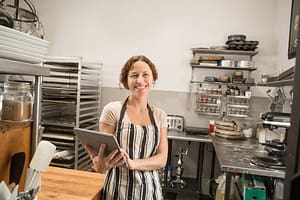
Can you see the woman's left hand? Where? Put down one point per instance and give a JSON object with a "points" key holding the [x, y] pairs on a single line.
{"points": [[130, 164], [102, 163]]}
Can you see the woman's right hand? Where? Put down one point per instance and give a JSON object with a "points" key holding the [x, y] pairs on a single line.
{"points": [[102, 163]]}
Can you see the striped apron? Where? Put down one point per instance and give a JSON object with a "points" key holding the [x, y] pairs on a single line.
{"points": [[139, 141]]}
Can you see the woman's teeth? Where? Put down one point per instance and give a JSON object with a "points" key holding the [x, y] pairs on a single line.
{"points": [[140, 87]]}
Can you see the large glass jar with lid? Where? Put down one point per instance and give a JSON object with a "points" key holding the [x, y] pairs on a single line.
{"points": [[17, 102]]}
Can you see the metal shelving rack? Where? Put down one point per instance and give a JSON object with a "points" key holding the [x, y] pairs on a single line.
{"points": [[228, 54], [70, 98]]}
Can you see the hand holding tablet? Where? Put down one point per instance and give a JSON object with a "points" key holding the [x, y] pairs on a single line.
{"points": [[96, 138]]}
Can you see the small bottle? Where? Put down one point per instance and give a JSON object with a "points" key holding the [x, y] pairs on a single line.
{"points": [[169, 173], [248, 92], [231, 90], [228, 91], [236, 91], [212, 127]]}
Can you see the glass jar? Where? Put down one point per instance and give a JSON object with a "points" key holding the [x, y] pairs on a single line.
{"points": [[17, 102]]}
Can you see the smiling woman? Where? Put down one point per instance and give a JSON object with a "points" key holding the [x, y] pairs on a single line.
{"points": [[141, 131]]}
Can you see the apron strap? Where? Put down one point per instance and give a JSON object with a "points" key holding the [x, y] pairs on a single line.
{"points": [[122, 113], [152, 118]]}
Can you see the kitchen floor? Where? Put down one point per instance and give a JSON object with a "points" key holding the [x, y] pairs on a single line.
{"points": [[186, 197]]}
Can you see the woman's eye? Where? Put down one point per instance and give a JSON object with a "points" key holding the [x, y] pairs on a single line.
{"points": [[133, 76], [146, 75]]}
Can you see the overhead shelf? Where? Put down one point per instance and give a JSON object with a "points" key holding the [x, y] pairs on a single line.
{"points": [[221, 67], [223, 83], [281, 83], [21, 68], [225, 52]]}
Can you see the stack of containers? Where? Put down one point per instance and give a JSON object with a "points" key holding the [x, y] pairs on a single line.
{"points": [[19, 46]]}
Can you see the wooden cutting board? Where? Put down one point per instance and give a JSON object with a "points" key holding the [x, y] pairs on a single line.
{"points": [[60, 183]]}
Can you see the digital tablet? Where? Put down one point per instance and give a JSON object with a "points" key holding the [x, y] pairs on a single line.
{"points": [[95, 139]]}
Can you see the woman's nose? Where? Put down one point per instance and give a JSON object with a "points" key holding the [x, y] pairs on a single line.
{"points": [[139, 78]]}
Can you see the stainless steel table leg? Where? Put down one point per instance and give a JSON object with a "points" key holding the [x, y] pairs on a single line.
{"points": [[212, 171], [200, 168], [227, 186]]}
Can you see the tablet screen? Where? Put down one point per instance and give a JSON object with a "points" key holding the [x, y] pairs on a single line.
{"points": [[95, 139]]}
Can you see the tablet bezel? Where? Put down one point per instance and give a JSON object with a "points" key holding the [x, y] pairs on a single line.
{"points": [[96, 138]]}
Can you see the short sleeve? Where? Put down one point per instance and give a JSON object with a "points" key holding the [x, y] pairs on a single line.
{"points": [[110, 113], [161, 117]]}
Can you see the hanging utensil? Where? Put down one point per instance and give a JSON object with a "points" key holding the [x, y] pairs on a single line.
{"points": [[16, 167], [40, 162]]}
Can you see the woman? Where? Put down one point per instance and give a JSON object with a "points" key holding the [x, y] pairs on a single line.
{"points": [[142, 134]]}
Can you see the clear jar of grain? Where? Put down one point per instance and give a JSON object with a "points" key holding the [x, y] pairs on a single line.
{"points": [[17, 101]]}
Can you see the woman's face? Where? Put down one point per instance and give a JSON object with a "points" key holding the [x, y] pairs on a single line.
{"points": [[140, 79]]}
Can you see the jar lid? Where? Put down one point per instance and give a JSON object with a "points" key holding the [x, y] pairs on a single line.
{"points": [[13, 85]]}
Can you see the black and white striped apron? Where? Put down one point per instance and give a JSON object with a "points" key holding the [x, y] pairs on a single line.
{"points": [[140, 141]]}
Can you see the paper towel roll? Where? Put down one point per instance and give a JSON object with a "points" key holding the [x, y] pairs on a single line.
{"points": [[42, 156]]}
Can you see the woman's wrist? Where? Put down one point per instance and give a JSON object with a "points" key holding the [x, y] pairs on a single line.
{"points": [[133, 165], [102, 171]]}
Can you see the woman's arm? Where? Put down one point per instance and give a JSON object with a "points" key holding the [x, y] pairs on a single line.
{"points": [[103, 127], [157, 161], [102, 163]]}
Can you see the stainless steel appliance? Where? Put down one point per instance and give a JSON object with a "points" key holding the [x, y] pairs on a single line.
{"points": [[276, 148], [175, 123]]}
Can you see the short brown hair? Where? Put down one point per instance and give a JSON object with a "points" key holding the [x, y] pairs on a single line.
{"points": [[128, 65]]}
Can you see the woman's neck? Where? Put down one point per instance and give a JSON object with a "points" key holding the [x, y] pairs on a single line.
{"points": [[137, 111], [140, 104]]}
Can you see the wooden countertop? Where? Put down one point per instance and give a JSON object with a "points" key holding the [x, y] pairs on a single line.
{"points": [[61, 184]]}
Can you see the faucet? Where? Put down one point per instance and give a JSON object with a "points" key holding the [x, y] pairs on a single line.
{"points": [[179, 170]]}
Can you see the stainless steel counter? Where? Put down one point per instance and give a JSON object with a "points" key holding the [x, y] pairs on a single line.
{"points": [[235, 155], [175, 135]]}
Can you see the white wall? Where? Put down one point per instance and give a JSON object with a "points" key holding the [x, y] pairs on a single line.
{"points": [[282, 30], [112, 31]]}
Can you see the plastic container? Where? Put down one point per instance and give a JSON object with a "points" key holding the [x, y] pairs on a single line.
{"points": [[17, 102], [248, 128], [248, 132], [261, 134]]}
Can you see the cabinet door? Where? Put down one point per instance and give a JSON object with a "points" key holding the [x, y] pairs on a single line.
{"points": [[14, 138]]}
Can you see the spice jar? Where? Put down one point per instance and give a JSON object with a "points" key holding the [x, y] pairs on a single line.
{"points": [[16, 102]]}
